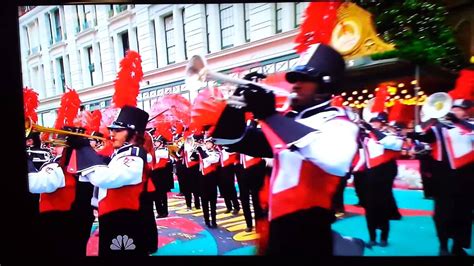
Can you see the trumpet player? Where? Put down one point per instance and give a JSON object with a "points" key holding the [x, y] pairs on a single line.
{"points": [[162, 177], [123, 213], [190, 173], [451, 141], [66, 214], [209, 166], [312, 149]]}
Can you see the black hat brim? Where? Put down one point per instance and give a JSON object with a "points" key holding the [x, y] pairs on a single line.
{"points": [[116, 127], [295, 76]]}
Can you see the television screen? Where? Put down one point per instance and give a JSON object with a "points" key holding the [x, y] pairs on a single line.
{"points": [[159, 129]]}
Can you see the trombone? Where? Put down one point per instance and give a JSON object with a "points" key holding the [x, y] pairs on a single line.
{"points": [[30, 126]]}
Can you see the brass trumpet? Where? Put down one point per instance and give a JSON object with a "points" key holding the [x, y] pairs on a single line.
{"points": [[30, 126], [197, 73]]}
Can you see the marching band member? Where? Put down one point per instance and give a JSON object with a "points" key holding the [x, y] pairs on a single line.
{"points": [[208, 165], [312, 149], [162, 177], [66, 214], [452, 149], [226, 179], [124, 227], [381, 148], [250, 181], [38, 156], [190, 175]]}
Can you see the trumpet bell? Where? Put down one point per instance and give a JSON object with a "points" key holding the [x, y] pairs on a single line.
{"points": [[437, 105]]}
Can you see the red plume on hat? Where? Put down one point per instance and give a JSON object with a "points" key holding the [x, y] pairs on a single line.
{"points": [[400, 112], [337, 101], [380, 98], [91, 121], [127, 84], [70, 104], [464, 88], [319, 21], [30, 103], [163, 128]]}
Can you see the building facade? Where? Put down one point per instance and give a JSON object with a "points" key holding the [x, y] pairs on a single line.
{"points": [[80, 46]]}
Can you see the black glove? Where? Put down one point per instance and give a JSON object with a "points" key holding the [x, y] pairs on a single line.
{"points": [[194, 156], [76, 142], [452, 117], [201, 152], [259, 101], [254, 76]]}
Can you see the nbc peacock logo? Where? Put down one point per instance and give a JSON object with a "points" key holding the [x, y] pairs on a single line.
{"points": [[122, 243]]}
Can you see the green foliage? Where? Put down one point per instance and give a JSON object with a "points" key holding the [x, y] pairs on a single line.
{"points": [[418, 29]]}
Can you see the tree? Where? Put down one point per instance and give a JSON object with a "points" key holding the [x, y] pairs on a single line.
{"points": [[419, 31]]}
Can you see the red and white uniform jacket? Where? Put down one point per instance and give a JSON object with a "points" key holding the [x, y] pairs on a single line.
{"points": [[306, 172], [457, 140], [162, 158], [377, 152], [248, 161], [187, 152], [359, 164], [121, 181], [228, 158], [210, 163], [56, 187]]}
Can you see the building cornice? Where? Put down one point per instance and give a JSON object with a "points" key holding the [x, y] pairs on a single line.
{"points": [[33, 14]]}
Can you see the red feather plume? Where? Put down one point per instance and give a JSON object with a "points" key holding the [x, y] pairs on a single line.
{"points": [[127, 84], [464, 88], [396, 111], [206, 110], [380, 98], [319, 21], [94, 122], [337, 101], [67, 112], [163, 128], [30, 103]]}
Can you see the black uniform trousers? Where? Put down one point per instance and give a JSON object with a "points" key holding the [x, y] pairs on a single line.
{"points": [[338, 199], [163, 181], [379, 202], [192, 188], [359, 185], [454, 199], [66, 233], [250, 182], [426, 168], [208, 185], [226, 183], [306, 232]]}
